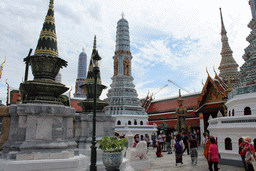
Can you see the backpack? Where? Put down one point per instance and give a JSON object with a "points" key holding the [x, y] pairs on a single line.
{"points": [[178, 147]]}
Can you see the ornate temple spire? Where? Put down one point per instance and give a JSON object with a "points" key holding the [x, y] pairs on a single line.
{"points": [[247, 70], [47, 43], [252, 3], [81, 74], [94, 43], [228, 66], [122, 37], [90, 75]]}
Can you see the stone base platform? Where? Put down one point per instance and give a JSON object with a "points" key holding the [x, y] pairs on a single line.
{"points": [[77, 163], [15, 155], [140, 164]]}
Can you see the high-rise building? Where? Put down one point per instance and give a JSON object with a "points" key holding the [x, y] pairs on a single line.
{"points": [[81, 75], [122, 96]]}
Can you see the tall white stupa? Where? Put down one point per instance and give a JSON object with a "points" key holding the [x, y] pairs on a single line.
{"points": [[122, 97]]}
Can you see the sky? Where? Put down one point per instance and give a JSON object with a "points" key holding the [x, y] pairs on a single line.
{"points": [[170, 39]]}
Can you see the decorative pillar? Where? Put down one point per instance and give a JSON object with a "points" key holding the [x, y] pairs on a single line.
{"points": [[4, 112], [201, 117]]}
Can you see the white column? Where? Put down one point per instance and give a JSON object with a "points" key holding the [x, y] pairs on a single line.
{"points": [[201, 126]]}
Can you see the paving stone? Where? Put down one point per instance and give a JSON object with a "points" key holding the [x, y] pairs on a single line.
{"points": [[167, 163]]}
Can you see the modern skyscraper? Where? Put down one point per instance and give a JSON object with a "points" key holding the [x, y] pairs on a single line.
{"points": [[122, 96], [81, 75]]}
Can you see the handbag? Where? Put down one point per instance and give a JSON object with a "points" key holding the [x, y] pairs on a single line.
{"points": [[248, 154], [253, 162]]}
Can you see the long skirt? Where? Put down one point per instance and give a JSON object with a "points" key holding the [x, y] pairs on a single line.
{"points": [[178, 157], [193, 154]]}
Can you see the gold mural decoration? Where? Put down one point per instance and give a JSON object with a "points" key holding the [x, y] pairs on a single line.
{"points": [[127, 67], [213, 95]]}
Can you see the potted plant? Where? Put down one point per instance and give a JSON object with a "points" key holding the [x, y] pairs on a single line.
{"points": [[112, 148]]}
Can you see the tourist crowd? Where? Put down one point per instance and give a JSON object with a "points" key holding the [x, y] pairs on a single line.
{"points": [[181, 143]]}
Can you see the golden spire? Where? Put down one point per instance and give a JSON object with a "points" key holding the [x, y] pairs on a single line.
{"points": [[83, 49], [122, 14], [94, 43]]}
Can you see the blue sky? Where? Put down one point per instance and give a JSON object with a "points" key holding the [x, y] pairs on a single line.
{"points": [[173, 40]]}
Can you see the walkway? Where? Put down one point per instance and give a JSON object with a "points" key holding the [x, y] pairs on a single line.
{"points": [[167, 163]]}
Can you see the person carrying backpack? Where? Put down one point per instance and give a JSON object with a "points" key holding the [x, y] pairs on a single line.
{"points": [[178, 147]]}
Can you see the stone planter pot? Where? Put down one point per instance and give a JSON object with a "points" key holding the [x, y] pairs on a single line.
{"points": [[112, 160]]}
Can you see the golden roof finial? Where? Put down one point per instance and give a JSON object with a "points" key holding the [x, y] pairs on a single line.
{"points": [[94, 43], [202, 82], [2, 66], [215, 72], [122, 14], [207, 72], [83, 49]]}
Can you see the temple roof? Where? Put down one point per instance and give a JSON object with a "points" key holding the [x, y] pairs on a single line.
{"points": [[214, 91], [171, 104], [47, 43]]}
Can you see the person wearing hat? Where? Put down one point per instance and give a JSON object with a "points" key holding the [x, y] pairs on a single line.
{"points": [[242, 154], [249, 151]]}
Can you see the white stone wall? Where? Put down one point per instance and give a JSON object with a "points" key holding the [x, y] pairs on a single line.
{"points": [[239, 102], [233, 128]]}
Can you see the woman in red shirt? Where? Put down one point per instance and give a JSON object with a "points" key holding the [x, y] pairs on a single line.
{"points": [[241, 152], [213, 155], [248, 148]]}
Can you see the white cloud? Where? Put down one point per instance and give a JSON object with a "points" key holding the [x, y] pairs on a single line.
{"points": [[195, 23]]}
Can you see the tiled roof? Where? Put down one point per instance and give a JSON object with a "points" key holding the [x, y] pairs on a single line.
{"points": [[168, 115], [173, 122], [171, 104], [74, 104]]}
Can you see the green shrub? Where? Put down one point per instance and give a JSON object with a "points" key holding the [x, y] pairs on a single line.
{"points": [[112, 144]]}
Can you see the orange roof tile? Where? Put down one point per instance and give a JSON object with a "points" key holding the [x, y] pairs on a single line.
{"points": [[75, 105], [173, 122], [171, 104]]}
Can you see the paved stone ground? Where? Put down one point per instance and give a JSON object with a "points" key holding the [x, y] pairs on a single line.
{"points": [[167, 162]]}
